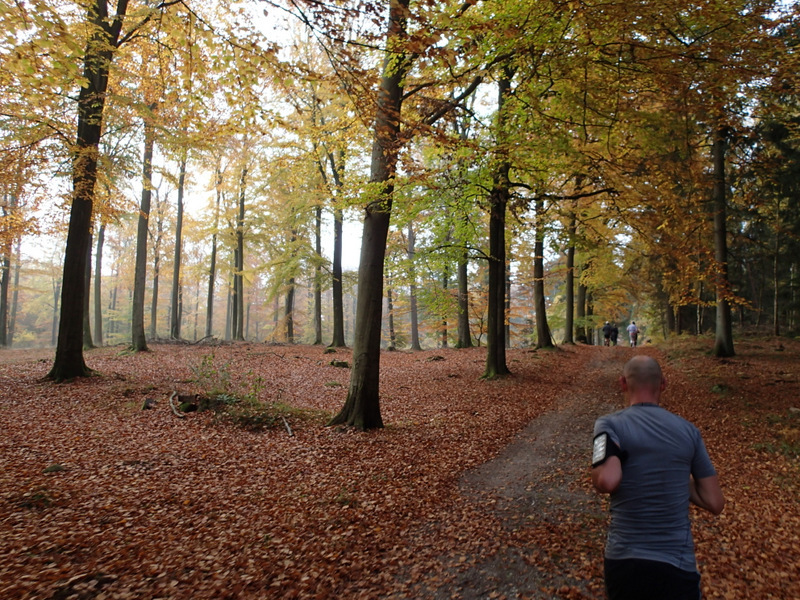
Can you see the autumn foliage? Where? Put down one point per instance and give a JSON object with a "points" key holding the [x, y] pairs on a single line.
{"points": [[102, 499]]}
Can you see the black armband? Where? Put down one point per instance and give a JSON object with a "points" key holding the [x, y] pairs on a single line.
{"points": [[603, 448]]}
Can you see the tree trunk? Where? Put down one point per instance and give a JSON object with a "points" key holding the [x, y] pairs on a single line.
{"points": [[318, 276], [543, 337], [5, 284], [98, 275], [289, 311], [238, 276], [499, 196], [12, 323], [176, 302], [445, 290], [138, 340], [87, 329], [100, 48], [776, 329], [580, 313], [464, 335], [212, 269], [412, 294], [56, 324], [336, 289], [723, 344], [362, 407], [390, 315], [569, 323]]}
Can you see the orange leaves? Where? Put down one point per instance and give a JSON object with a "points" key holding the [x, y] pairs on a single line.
{"points": [[151, 506]]}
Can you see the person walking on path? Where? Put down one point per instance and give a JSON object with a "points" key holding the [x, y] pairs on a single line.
{"points": [[607, 333], [653, 463], [614, 334], [633, 333]]}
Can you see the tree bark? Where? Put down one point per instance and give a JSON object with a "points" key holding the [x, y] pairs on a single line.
{"points": [[498, 200], [289, 311], [318, 276], [412, 289], [12, 323], [569, 323], [138, 339], [338, 340], [238, 275], [543, 337], [362, 407], [212, 269], [98, 295], [723, 344], [464, 335], [176, 302], [390, 316], [105, 31], [87, 328]]}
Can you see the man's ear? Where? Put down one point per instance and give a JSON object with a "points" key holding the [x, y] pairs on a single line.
{"points": [[623, 383], [663, 385]]}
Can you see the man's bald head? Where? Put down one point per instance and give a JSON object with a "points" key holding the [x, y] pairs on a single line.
{"points": [[643, 374]]}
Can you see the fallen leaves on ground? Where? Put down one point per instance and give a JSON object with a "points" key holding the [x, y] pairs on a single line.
{"points": [[100, 499]]}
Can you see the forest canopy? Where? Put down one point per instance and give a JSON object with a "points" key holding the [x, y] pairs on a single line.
{"points": [[522, 172]]}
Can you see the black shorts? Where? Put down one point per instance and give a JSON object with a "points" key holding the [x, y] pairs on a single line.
{"points": [[638, 579]]}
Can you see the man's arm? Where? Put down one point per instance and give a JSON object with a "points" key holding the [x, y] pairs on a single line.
{"points": [[705, 493], [607, 477]]}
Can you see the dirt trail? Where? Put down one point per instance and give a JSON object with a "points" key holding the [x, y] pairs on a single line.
{"points": [[539, 480]]}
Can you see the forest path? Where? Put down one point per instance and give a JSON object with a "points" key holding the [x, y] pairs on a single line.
{"points": [[536, 486]]}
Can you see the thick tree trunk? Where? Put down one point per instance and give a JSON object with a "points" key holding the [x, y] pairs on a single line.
{"points": [[362, 407], [100, 48], [723, 344], [98, 292], [412, 293], [543, 337], [176, 302], [56, 296], [464, 335], [498, 200], [138, 339]]}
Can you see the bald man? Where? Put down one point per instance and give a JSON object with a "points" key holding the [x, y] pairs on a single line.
{"points": [[653, 463]]}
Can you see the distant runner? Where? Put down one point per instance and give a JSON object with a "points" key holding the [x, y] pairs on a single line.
{"points": [[633, 333]]}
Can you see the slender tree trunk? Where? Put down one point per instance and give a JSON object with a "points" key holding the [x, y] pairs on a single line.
{"points": [[580, 313], [445, 289], [238, 277], [589, 314], [12, 323], [362, 407], [176, 302], [507, 303], [138, 340], [98, 293], [543, 337], [569, 323], [464, 335], [87, 329], [100, 48], [289, 311], [5, 284], [776, 329], [723, 344], [56, 295], [156, 291], [412, 274], [390, 315], [336, 284], [318, 276], [212, 269], [500, 194]]}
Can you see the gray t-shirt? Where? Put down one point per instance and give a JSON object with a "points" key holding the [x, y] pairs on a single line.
{"points": [[650, 508]]}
